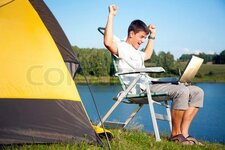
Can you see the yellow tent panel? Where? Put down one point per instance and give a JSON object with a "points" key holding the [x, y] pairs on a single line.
{"points": [[31, 64]]}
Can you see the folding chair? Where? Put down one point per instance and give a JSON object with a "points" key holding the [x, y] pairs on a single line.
{"points": [[139, 99]]}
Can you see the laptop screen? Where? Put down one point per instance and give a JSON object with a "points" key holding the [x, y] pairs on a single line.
{"points": [[191, 69]]}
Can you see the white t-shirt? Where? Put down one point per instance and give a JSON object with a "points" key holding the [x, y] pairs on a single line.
{"points": [[130, 58]]}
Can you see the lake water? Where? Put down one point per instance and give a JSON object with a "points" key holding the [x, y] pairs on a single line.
{"points": [[208, 125]]}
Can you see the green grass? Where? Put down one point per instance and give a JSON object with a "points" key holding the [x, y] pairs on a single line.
{"points": [[217, 69], [124, 140], [211, 73]]}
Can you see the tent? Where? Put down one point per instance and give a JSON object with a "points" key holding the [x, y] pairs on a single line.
{"points": [[39, 102]]}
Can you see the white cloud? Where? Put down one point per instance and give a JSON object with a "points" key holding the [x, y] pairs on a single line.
{"points": [[185, 51], [210, 52], [196, 51]]}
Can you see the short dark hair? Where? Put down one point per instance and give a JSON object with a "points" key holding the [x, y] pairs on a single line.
{"points": [[137, 26]]}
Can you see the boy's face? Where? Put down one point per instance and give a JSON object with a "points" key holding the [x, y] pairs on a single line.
{"points": [[137, 38]]}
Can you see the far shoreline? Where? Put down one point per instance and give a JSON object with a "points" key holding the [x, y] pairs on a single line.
{"points": [[114, 80]]}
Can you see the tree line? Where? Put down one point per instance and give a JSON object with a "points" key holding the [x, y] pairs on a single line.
{"points": [[214, 58], [98, 62], [94, 62]]}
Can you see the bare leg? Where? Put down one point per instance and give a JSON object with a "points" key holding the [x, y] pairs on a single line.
{"points": [[177, 117], [188, 116]]}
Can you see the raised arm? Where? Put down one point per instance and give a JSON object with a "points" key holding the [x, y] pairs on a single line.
{"points": [[150, 44], [108, 35]]}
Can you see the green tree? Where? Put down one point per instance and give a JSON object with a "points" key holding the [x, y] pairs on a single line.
{"points": [[166, 60], [185, 57], [206, 57], [94, 62], [153, 59], [222, 57]]}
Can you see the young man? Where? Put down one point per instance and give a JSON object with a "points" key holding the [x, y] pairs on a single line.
{"points": [[186, 99]]}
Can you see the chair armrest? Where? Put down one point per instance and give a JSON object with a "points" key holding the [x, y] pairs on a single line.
{"points": [[143, 70]]}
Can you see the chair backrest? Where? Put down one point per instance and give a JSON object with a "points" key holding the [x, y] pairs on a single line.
{"points": [[115, 60]]}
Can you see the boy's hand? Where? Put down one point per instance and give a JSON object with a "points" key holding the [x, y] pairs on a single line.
{"points": [[113, 9], [152, 29]]}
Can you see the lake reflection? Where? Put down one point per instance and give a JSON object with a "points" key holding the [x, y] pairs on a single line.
{"points": [[208, 125]]}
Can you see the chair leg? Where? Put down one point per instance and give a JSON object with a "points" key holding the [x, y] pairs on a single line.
{"points": [[152, 113], [120, 98], [133, 114], [168, 114]]}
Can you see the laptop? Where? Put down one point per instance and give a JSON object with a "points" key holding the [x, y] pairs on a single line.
{"points": [[188, 75]]}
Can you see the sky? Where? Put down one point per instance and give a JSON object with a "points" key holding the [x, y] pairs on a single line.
{"points": [[183, 26]]}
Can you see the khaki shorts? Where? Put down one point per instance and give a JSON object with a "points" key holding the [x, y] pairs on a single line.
{"points": [[182, 96]]}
